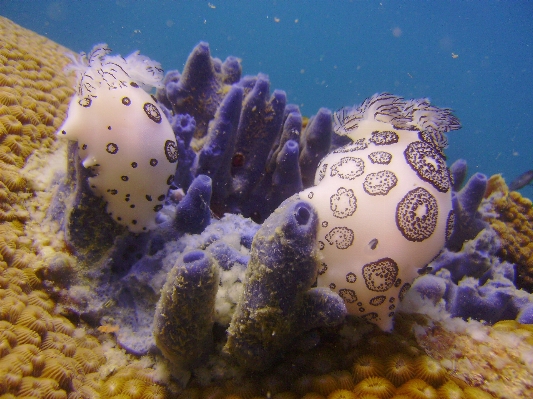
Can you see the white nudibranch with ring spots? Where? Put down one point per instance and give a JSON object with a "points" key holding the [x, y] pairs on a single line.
{"points": [[123, 136], [383, 201]]}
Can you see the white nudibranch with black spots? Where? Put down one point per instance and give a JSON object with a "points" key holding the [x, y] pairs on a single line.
{"points": [[383, 201], [123, 136]]}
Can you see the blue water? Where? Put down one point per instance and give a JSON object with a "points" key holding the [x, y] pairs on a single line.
{"points": [[336, 53]]}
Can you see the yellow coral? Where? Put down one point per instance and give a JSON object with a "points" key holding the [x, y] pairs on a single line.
{"points": [[63, 343], [399, 369], [36, 319], [344, 379], [418, 389], [430, 370], [367, 366], [378, 386], [324, 384], [41, 388], [342, 394], [514, 225]]}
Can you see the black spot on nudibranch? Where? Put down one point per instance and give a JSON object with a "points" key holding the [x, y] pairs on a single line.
{"points": [[133, 84], [351, 278], [157, 208], [342, 237], [113, 192], [428, 164], [379, 276], [85, 102], [450, 223], [152, 112], [380, 157], [343, 203], [153, 162], [109, 128], [126, 101], [373, 244], [380, 183], [171, 151], [161, 197], [332, 286], [348, 168], [384, 138], [371, 317], [348, 295], [112, 148], [63, 132], [84, 147], [322, 171], [134, 165], [148, 197], [416, 215], [377, 300], [170, 179], [403, 291], [358, 145], [124, 178]]}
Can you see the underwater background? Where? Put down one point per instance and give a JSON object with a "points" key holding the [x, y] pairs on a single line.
{"points": [[78, 290], [473, 57]]}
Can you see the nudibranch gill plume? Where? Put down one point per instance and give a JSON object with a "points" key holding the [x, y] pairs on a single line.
{"points": [[384, 202], [123, 137]]}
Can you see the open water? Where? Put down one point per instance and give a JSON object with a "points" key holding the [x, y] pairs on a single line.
{"points": [[475, 57]]}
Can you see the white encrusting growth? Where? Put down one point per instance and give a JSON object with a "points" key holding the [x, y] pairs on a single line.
{"points": [[123, 136], [384, 202]]}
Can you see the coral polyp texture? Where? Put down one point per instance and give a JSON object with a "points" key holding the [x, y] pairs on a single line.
{"points": [[217, 297]]}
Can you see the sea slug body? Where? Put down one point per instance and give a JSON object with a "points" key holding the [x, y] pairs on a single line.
{"points": [[383, 202], [123, 137]]}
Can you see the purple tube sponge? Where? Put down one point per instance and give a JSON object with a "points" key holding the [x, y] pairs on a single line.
{"points": [[490, 302], [277, 296], [473, 283], [292, 127], [184, 127], [286, 179], [260, 123], [184, 316], [468, 221], [214, 159], [198, 92], [526, 314], [241, 130], [458, 171], [193, 213], [315, 142]]}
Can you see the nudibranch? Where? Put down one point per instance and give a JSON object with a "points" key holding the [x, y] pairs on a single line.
{"points": [[384, 202], [123, 136]]}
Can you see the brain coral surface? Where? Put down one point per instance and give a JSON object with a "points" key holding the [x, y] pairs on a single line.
{"points": [[42, 354]]}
